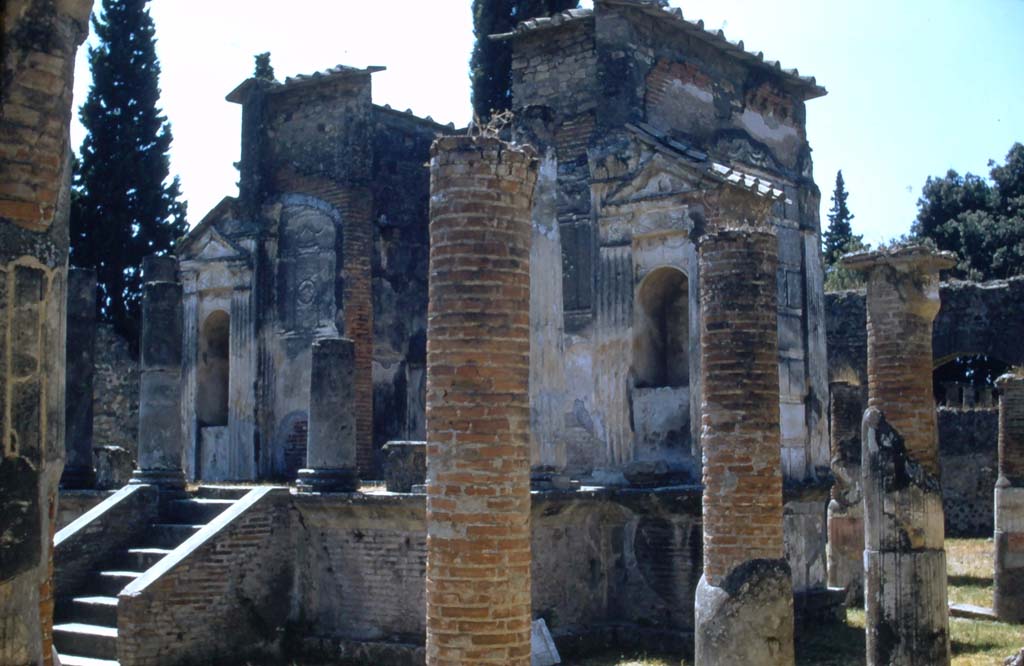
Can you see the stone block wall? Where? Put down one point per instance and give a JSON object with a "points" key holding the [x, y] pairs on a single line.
{"points": [[115, 395], [225, 600], [968, 442]]}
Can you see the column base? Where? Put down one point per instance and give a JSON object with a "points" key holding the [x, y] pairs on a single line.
{"points": [[78, 478], [1008, 595], [907, 619], [331, 480], [748, 619], [167, 480]]}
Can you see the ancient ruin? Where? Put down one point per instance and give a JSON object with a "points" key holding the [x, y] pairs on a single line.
{"points": [[1008, 601], [589, 353], [904, 553]]}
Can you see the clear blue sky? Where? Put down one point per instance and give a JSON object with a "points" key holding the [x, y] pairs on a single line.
{"points": [[915, 87]]}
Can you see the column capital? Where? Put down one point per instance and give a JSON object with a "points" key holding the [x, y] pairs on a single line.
{"points": [[1010, 382]]}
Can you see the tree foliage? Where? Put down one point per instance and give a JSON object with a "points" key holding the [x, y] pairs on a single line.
{"points": [[980, 220], [839, 237], [123, 208], [491, 63]]}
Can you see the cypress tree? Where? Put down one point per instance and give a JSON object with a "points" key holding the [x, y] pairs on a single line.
{"points": [[491, 64], [123, 208], [839, 237]]}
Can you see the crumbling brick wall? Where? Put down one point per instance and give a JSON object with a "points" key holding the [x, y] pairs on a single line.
{"points": [[115, 395]]}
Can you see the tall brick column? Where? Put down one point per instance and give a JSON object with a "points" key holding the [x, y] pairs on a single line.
{"points": [[905, 558], [478, 412], [161, 432], [744, 602], [1009, 533], [40, 39], [81, 353], [845, 549], [331, 439]]}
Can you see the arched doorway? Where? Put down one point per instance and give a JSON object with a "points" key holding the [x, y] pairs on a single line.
{"points": [[214, 370], [661, 355]]}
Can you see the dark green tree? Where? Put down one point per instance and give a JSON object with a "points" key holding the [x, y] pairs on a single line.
{"points": [[980, 220], [491, 64], [123, 206], [839, 237]]}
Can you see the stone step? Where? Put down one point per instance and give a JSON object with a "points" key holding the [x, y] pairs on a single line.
{"points": [[225, 491], [110, 583], [93, 610], [74, 660], [195, 511], [972, 612], [141, 559], [168, 535], [85, 640]]}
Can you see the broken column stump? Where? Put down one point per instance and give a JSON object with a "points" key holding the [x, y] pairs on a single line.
{"points": [[845, 549], [79, 471], [744, 601], [331, 438], [478, 416], [161, 436], [1008, 602], [905, 559]]}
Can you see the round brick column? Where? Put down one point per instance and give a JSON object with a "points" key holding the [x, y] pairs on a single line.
{"points": [[1009, 533], [744, 601], [478, 419], [904, 553], [161, 438], [845, 550]]}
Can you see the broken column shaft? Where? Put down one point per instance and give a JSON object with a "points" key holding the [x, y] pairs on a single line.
{"points": [[161, 438], [331, 439], [845, 510], [744, 601], [478, 419], [81, 355], [1009, 495], [905, 559]]}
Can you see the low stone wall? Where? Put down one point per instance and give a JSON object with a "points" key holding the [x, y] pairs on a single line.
{"points": [[968, 440], [99, 533], [220, 596], [73, 504], [115, 397]]}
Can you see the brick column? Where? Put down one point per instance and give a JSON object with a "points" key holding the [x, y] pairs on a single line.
{"points": [[744, 601], [161, 435], [905, 578], [478, 414], [845, 549], [37, 61], [331, 439], [1009, 533], [81, 353]]}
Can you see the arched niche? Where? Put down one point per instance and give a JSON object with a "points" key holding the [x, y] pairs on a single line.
{"points": [[214, 370], [661, 356]]}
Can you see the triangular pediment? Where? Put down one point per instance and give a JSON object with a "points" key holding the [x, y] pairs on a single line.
{"points": [[659, 178], [205, 242]]}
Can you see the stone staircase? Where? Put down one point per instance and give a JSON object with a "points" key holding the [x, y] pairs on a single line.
{"points": [[85, 627]]}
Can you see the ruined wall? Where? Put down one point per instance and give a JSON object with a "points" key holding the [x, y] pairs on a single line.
{"points": [[316, 141], [115, 396], [401, 189], [599, 558], [976, 318], [39, 42], [968, 441], [614, 214]]}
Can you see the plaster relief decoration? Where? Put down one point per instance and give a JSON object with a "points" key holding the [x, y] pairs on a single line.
{"points": [[308, 264]]}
